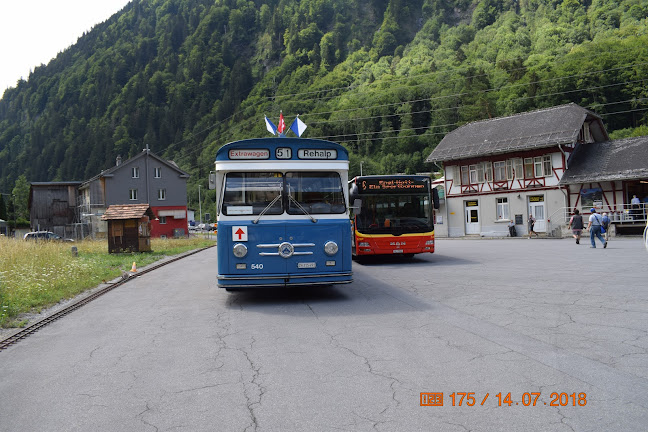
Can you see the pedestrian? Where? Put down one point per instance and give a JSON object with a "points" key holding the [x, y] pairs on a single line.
{"points": [[576, 225], [531, 223], [511, 227], [594, 227], [635, 205], [606, 225]]}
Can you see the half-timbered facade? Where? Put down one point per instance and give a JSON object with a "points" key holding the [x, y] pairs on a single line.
{"points": [[607, 176], [504, 169]]}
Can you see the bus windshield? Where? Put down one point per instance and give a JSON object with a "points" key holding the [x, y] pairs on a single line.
{"points": [[316, 192], [394, 214], [250, 193]]}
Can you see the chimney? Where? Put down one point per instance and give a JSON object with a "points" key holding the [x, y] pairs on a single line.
{"points": [[118, 162]]}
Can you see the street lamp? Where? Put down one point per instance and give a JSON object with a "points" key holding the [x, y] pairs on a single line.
{"points": [[199, 204]]}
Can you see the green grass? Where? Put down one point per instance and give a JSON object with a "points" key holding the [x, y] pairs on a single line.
{"points": [[34, 276]]}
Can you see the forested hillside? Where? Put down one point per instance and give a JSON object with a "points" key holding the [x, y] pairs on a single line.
{"points": [[387, 78]]}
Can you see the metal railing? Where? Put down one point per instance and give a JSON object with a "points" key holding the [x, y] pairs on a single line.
{"points": [[620, 215]]}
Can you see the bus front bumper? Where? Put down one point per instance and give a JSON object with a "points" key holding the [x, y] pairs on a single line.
{"points": [[240, 281]]}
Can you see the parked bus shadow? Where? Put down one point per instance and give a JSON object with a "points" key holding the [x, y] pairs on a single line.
{"points": [[366, 295]]}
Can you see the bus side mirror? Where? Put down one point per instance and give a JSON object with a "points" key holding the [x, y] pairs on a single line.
{"points": [[435, 198], [357, 205], [212, 180]]}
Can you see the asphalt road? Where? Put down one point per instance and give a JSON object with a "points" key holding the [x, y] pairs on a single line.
{"points": [[169, 351]]}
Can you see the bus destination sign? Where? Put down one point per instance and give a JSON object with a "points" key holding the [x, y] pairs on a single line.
{"points": [[249, 154], [393, 185], [317, 153]]}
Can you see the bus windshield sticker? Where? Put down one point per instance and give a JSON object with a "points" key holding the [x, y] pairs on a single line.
{"points": [[249, 154], [239, 210], [317, 154]]}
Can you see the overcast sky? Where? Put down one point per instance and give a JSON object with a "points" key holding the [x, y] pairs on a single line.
{"points": [[32, 32]]}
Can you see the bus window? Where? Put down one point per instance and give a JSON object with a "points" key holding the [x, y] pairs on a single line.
{"points": [[251, 193], [316, 192]]}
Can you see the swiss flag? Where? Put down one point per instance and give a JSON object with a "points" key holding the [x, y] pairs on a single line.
{"points": [[282, 124]]}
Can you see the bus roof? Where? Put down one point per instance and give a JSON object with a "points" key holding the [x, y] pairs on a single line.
{"points": [[266, 149]]}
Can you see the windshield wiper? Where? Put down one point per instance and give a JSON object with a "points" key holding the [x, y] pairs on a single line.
{"points": [[278, 197], [301, 208]]}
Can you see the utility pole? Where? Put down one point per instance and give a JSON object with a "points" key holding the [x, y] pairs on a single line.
{"points": [[361, 162], [199, 204]]}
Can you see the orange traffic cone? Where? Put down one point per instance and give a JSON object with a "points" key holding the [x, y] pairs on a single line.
{"points": [[134, 269]]}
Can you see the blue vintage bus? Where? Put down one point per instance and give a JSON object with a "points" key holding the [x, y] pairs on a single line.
{"points": [[283, 216]]}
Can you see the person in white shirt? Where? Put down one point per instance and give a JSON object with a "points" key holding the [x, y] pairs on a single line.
{"points": [[594, 227], [636, 206]]}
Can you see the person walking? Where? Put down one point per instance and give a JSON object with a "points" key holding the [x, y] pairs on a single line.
{"points": [[594, 227], [606, 225], [576, 225], [531, 223]]}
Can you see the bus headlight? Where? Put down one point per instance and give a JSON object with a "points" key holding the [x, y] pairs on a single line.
{"points": [[240, 250], [363, 244], [429, 243], [330, 248]]}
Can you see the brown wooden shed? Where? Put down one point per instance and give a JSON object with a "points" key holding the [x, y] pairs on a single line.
{"points": [[129, 227]]}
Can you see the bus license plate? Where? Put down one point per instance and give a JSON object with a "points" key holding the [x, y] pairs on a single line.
{"points": [[397, 251], [306, 265]]}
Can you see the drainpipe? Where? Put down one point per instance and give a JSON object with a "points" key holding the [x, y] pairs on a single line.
{"points": [[564, 155], [566, 187], [447, 202], [146, 158]]}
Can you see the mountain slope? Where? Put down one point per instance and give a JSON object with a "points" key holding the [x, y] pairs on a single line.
{"points": [[388, 78]]}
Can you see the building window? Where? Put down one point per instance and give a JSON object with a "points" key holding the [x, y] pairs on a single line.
{"points": [[162, 220], [528, 168], [157, 172], [161, 194], [502, 209], [135, 172], [517, 168], [474, 174], [464, 175], [133, 194], [546, 164], [537, 166], [501, 169], [488, 171]]}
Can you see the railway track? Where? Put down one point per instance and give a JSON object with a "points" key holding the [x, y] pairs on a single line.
{"points": [[33, 328]]}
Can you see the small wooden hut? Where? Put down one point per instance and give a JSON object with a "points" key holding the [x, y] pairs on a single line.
{"points": [[129, 227]]}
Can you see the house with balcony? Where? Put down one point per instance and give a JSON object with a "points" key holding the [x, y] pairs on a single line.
{"points": [[607, 175], [503, 169], [143, 179]]}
